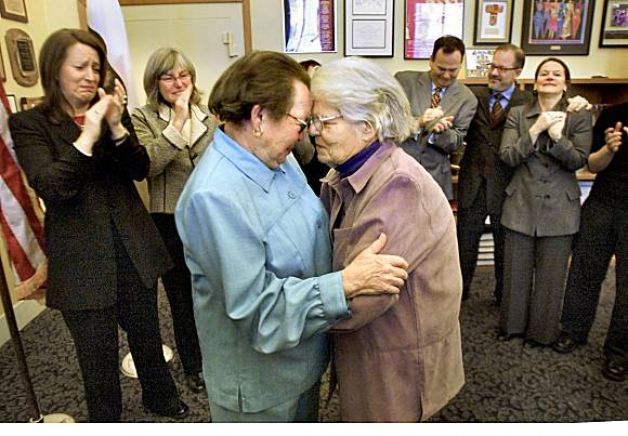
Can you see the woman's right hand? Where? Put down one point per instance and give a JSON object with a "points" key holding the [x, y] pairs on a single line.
{"points": [[93, 126], [182, 108], [373, 273]]}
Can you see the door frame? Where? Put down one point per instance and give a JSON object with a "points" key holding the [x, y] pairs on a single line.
{"points": [[246, 13]]}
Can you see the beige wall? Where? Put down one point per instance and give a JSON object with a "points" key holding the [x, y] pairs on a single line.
{"points": [[612, 62]]}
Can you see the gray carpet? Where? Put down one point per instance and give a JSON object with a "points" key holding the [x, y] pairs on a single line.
{"points": [[505, 381]]}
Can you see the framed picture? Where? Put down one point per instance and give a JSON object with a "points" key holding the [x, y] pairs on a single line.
{"points": [[12, 103], [369, 27], [477, 63], [14, 10], [309, 26], [493, 22], [3, 74], [428, 20], [557, 27], [614, 29]]}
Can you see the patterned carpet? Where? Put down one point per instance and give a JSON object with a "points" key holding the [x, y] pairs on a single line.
{"points": [[505, 381]]}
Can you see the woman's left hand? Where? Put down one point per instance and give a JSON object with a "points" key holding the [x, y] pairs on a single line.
{"points": [[555, 131]]}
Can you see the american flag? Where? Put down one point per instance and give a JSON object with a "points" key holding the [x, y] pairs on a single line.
{"points": [[20, 217]]}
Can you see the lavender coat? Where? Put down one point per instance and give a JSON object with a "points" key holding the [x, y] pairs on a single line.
{"points": [[398, 358]]}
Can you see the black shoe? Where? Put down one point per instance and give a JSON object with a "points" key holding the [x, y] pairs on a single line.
{"points": [[505, 337], [465, 294], [565, 343], [195, 382], [180, 411], [613, 370]]}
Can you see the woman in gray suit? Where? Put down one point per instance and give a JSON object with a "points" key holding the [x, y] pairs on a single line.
{"points": [[545, 146], [175, 128]]}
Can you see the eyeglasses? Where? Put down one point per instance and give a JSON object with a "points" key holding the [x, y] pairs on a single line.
{"points": [[169, 80], [302, 123], [319, 123], [500, 68]]}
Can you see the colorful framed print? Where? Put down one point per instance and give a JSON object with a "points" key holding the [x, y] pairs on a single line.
{"points": [[557, 27], [309, 26], [614, 29], [493, 22]]}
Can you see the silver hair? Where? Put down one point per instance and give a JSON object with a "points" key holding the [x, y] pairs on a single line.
{"points": [[363, 91]]}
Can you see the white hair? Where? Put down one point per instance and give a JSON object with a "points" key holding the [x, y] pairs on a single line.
{"points": [[363, 91]]}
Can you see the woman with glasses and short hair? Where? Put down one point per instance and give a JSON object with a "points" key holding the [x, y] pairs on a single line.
{"points": [[176, 129], [399, 357]]}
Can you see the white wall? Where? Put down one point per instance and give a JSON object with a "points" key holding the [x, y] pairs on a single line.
{"points": [[267, 35]]}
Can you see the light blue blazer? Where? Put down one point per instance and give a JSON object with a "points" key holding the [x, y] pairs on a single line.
{"points": [[257, 243]]}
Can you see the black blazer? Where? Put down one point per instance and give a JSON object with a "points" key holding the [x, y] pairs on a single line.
{"points": [[481, 155], [86, 198]]}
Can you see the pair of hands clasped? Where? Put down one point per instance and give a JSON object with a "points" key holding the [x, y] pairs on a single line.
{"points": [[372, 273], [434, 120], [109, 107], [554, 121]]}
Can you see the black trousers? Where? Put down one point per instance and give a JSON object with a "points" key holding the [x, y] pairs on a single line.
{"points": [[470, 227], [603, 232], [95, 334], [178, 285]]}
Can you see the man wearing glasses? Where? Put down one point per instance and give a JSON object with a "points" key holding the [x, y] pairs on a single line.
{"points": [[483, 177], [443, 108]]}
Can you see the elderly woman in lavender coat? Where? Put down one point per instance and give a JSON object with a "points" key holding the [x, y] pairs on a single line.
{"points": [[398, 358]]}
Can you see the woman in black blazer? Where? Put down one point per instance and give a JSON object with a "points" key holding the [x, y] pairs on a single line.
{"points": [[545, 146], [80, 153]]}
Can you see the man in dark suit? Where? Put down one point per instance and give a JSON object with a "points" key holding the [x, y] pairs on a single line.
{"points": [[483, 176], [443, 107]]}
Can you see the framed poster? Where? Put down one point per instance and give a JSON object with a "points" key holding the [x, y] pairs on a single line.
{"points": [[309, 26], [14, 10], [369, 27], [493, 22], [477, 63], [428, 20], [614, 29], [557, 27]]}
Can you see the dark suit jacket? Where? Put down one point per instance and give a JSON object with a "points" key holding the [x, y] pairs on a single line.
{"points": [[85, 198], [458, 101], [481, 155], [543, 197]]}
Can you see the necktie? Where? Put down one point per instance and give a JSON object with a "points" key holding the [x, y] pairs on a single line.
{"points": [[436, 97], [497, 110]]}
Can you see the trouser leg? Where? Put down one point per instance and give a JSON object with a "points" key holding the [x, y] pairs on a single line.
{"points": [[593, 248], [470, 227], [95, 335], [498, 254], [137, 314], [518, 269], [616, 344], [178, 285], [552, 257]]}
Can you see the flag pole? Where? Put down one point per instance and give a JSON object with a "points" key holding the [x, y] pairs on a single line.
{"points": [[22, 366]]}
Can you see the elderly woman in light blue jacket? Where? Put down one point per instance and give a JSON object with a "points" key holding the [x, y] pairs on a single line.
{"points": [[545, 146], [176, 129]]}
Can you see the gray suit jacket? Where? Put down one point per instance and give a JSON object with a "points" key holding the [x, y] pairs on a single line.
{"points": [[543, 197], [481, 161], [458, 101]]}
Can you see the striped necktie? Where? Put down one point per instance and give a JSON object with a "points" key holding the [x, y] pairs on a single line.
{"points": [[436, 97], [497, 110]]}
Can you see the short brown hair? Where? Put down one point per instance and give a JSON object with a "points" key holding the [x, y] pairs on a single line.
{"points": [[52, 56], [520, 56], [159, 63], [449, 44], [264, 78], [558, 61]]}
